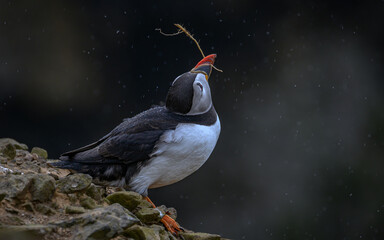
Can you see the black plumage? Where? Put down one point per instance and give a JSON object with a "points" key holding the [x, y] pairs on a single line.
{"points": [[127, 148], [180, 94]]}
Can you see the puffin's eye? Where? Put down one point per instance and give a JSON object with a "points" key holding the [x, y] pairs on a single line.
{"points": [[201, 86]]}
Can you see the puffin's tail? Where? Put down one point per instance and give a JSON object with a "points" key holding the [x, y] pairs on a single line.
{"points": [[92, 163], [80, 160], [65, 163]]}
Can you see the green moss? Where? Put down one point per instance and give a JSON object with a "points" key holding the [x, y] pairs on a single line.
{"points": [[40, 152], [199, 236], [148, 215], [14, 143], [140, 233], [88, 203], [94, 192], [44, 209], [8, 151], [129, 200], [74, 210], [43, 188]]}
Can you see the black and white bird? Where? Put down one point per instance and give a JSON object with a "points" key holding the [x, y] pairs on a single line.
{"points": [[157, 147]]}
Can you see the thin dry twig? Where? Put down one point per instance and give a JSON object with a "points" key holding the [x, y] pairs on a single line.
{"points": [[169, 34], [217, 69], [190, 36], [183, 30]]}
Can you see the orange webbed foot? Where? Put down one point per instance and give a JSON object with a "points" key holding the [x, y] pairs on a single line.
{"points": [[170, 224]]}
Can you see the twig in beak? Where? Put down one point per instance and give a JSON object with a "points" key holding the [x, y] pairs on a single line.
{"points": [[183, 30]]}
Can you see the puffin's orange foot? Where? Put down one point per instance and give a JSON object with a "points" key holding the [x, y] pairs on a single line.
{"points": [[171, 225]]}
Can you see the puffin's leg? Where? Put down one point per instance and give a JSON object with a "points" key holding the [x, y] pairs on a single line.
{"points": [[171, 225], [149, 200]]}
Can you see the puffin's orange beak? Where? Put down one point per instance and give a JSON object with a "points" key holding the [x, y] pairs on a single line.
{"points": [[205, 66]]}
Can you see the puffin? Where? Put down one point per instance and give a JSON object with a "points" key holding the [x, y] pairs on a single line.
{"points": [[159, 146]]}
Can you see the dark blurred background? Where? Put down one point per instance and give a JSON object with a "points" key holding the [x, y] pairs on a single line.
{"points": [[300, 100]]}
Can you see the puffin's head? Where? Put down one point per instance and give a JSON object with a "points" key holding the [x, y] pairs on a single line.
{"points": [[190, 93]]}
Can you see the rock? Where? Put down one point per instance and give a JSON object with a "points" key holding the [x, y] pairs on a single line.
{"points": [[4, 170], [94, 192], [19, 161], [144, 204], [161, 232], [44, 209], [129, 200], [148, 215], [12, 210], [72, 198], [101, 223], [141, 233], [3, 160], [28, 206], [199, 236], [2, 196], [40, 152], [88, 203], [54, 176], [14, 143], [8, 151], [10, 219], [25, 231], [24, 155], [74, 183], [15, 186], [74, 210], [43, 188], [170, 211]]}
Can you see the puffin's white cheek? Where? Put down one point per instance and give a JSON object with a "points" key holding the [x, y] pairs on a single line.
{"points": [[197, 91]]}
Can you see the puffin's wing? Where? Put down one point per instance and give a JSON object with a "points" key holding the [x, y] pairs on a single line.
{"points": [[124, 148], [132, 141], [130, 147]]}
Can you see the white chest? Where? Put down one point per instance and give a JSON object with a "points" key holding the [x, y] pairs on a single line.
{"points": [[178, 153]]}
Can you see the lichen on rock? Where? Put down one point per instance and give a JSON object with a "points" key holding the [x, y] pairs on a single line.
{"points": [[14, 143], [15, 186], [129, 200], [199, 236], [143, 233], [43, 187], [74, 183], [149, 215], [40, 152], [8, 151], [95, 192], [74, 210], [88, 203]]}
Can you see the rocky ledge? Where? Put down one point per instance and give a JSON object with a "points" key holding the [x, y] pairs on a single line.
{"points": [[38, 201]]}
